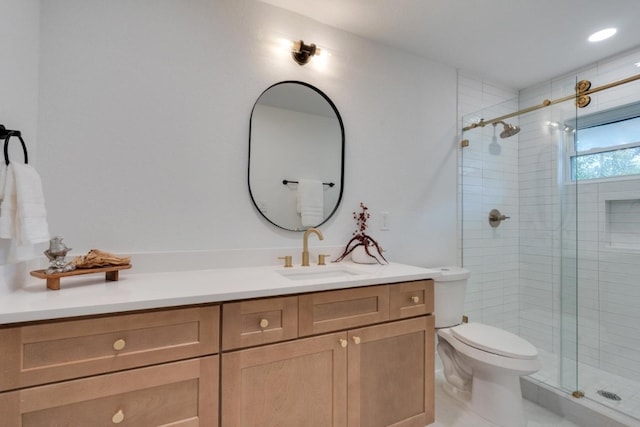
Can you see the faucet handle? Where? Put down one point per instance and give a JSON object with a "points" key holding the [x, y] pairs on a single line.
{"points": [[288, 260], [322, 258]]}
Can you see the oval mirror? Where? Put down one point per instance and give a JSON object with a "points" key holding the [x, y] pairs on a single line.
{"points": [[296, 156]]}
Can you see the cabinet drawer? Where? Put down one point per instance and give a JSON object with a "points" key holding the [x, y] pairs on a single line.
{"points": [[41, 353], [335, 310], [180, 393], [255, 322], [410, 299]]}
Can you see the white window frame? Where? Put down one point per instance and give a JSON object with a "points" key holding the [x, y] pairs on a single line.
{"points": [[624, 112]]}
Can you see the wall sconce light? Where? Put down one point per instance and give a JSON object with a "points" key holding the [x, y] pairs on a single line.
{"points": [[302, 53]]}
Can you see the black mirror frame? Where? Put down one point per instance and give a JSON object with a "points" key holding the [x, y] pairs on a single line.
{"points": [[337, 113]]}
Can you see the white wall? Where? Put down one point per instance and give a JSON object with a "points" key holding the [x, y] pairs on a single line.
{"points": [[144, 116], [19, 38]]}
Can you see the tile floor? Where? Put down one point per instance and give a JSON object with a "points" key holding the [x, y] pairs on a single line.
{"points": [[450, 413]]}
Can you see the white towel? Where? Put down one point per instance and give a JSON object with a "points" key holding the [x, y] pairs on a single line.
{"points": [[23, 216], [3, 178], [310, 202]]}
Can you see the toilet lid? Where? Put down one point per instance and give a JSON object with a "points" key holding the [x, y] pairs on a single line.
{"points": [[494, 340]]}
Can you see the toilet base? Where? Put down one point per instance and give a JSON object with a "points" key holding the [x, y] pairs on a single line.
{"points": [[487, 383], [498, 398]]}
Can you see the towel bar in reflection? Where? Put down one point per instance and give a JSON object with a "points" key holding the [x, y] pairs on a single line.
{"points": [[288, 181]]}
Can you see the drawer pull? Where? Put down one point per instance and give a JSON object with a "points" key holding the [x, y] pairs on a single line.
{"points": [[356, 340], [415, 299], [118, 417], [343, 343], [119, 345], [264, 323]]}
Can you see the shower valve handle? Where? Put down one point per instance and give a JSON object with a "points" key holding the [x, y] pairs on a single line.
{"points": [[495, 218]]}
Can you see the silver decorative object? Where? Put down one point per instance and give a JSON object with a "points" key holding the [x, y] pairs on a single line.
{"points": [[56, 253]]}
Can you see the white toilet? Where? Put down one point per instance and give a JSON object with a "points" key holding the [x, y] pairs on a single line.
{"points": [[482, 364]]}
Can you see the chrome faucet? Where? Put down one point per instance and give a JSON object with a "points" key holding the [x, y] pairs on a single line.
{"points": [[305, 244]]}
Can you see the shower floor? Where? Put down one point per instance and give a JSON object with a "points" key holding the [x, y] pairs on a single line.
{"points": [[590, 381]]}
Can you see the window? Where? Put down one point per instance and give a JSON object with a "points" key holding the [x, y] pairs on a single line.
{"points": [[607, 144]]}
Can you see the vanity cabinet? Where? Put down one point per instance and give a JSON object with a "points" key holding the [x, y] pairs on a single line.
{"points": [[358, 357], [354, 364], [149, 368]]}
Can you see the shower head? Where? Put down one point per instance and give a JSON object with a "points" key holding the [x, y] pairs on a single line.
{"points": [[508, 131]]}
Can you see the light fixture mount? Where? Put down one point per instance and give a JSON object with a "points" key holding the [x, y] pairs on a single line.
{"points": [[302, 53]]}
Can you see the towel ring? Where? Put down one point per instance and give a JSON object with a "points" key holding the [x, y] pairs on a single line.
{"points": [[6, 134]]}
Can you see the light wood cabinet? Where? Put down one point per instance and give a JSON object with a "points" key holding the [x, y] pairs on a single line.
{"points": [[410, 299], [261, 321], [44, 352], [358, 357], [180, 394], [293, 384], [347, 308], [377, 375], [148, 368], [391, 374]]}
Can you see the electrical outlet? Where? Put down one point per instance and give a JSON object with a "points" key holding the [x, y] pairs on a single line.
{"points": [[384, 223]]}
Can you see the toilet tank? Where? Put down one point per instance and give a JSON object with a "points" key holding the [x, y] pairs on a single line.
{"points": [[449, 294]]}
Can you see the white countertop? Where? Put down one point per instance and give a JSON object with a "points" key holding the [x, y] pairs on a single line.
{"points": [[91, 294]]}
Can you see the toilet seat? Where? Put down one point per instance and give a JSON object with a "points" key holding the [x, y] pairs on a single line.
{"points": [[493, 340]]}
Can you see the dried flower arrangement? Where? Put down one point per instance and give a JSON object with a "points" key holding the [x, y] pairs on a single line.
{"points": [[361, 238]]}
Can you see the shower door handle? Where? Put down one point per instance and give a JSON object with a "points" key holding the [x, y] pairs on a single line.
{"points": [[495, 218]]}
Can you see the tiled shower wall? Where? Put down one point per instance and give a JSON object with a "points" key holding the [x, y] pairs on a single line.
{"points": [[489, 180], [523, 274], [605, 215]]}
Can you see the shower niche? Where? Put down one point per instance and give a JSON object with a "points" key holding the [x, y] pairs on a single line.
{"points": [[622, 224]]}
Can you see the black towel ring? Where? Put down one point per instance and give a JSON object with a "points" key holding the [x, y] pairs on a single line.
{"points": [[6, 134]]}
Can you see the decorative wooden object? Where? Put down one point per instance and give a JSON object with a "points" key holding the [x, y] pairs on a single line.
{"points": [[53, 280]]}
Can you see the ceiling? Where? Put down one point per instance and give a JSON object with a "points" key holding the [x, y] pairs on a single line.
{"points": [[516, 43]]}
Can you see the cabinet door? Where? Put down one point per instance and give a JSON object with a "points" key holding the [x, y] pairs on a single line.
{"points": [[178, 394], [391, 374], [292, 384]]}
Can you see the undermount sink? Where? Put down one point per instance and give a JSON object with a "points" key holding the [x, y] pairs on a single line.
{"points": [[312, 273]]}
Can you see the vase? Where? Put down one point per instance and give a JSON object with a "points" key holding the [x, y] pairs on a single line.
{"points": [[360, 256]]}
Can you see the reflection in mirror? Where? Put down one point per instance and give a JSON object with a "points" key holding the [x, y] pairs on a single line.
{"points": [[296, 156]]}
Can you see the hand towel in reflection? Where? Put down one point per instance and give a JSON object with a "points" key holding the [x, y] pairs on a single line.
{"points": [[310, 202], [3, 178]]}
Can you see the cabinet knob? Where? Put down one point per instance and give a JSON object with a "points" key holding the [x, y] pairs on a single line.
{"points": [[356, 340], [343, 342], [119, 344], [415, 299], [264, 323], [118, 417]]}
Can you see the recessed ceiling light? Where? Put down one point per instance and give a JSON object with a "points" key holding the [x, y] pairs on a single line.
{"points": [[637, 64], [602, 34]]}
